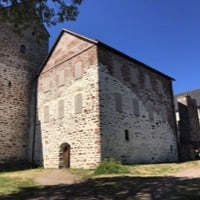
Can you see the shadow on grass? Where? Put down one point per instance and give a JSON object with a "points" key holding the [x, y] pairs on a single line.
{"points": [[16, 166], [148, 188]]}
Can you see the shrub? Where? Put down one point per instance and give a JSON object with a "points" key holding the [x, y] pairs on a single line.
{"points": [[111, 166]]}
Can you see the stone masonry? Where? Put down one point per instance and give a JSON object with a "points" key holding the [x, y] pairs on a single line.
{"points": [[189, 128], [94, 103], [20, 59], [143, 130], [84, 103], [57, 83]]}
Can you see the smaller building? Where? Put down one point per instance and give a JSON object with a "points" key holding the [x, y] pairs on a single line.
{"points": [[188, 118]]}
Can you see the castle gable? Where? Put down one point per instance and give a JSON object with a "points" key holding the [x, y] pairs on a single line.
{"points": [[66, 47]]}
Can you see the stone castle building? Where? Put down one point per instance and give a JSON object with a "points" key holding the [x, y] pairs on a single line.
{"points": [[86, 102], [20, 59], [188, 118]]}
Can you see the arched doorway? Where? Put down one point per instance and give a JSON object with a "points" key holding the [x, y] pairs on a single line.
{"points": [[64, 156]]}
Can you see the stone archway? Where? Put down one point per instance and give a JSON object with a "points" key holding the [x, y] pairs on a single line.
{"points": [[64, 155]]}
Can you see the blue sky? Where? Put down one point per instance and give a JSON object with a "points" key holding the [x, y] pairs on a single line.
{"points": [[164, 34]]}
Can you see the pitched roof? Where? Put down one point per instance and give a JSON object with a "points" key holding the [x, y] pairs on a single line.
{"points": [[101, 44]]}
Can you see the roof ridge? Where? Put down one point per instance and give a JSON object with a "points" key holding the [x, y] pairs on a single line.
{"points": [[104, 45]]}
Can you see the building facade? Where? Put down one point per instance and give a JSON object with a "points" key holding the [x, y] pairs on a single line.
{"points": [[95, 102], [188, 118], [20, 59]]}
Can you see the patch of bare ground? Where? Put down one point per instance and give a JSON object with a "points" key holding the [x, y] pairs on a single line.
{"points": [[63, 185], [56, 177], [193, 172]]}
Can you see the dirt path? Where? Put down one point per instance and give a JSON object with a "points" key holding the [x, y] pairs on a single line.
{"points": [[189, 173], [57, 177], [59, 184]]}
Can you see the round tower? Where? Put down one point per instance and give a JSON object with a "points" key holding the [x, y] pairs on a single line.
{"points": [[21, 56]]}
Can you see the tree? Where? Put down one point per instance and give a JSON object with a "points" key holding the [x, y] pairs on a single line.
{"points": [[50, 12]]}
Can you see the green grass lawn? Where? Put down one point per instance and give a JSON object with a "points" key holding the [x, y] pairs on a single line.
{"points": [[151, 181], [15, 181], [12, 185], [163, 169]]}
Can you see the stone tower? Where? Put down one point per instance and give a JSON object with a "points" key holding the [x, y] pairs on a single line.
{"points": [[20, 59]]}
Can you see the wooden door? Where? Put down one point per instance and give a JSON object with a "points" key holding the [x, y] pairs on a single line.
{"points": [[66, 156]]}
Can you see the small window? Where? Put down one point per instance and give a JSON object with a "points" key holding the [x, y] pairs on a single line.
{"points": [[160, 87], [171, 147], [198, 110], [136, 109], [61, 78], [134, 76], [22, 49], [178, 116], [150, 109], [9, 84], [61, 109], [78, 71], [78, 103], [118, 102], [163, 113], [117, 70], [126, 135], [46, 114], [147, 81]]}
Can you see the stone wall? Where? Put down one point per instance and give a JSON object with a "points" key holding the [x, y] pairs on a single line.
{"points": [[136, 111], [189, 128], [68, 105], [20, 58], [92, 103], [100, 104]]}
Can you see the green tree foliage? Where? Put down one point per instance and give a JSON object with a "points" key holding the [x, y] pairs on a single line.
{"points": [[50, 12]]}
